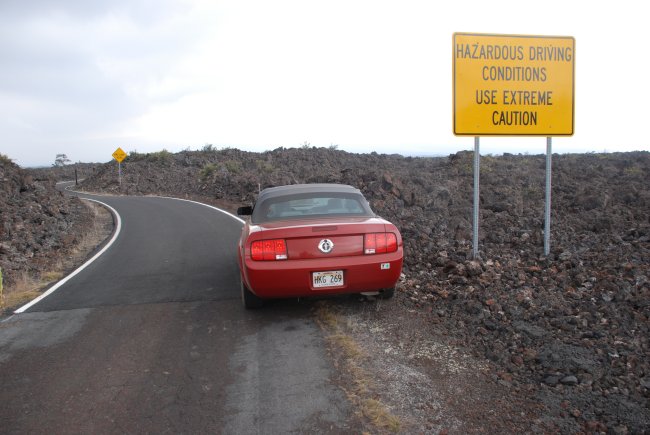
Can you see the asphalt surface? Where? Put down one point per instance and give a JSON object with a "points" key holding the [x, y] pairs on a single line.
{"points": [[152, 338]]}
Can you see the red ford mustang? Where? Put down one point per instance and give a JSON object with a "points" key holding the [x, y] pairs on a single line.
{"points": [[316, 239]]}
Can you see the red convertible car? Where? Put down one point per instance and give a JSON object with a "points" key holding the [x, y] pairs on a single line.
{"points": [[316, 239]]}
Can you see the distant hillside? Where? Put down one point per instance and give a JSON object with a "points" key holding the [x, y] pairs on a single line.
{"points": [[594, 195]]}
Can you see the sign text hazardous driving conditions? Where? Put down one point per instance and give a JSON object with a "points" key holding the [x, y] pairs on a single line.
{"points": [[513, 85], [119, 155]]}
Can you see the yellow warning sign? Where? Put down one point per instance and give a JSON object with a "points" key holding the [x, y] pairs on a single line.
{"points": [[513, 85], [119, 155]]}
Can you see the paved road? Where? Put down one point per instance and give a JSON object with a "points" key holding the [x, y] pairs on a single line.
{"points": [[152, 337]]}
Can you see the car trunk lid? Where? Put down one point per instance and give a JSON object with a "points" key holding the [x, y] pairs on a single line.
{"points": [[322, 238]]}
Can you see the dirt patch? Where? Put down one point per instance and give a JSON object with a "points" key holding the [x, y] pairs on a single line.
{"points": [[422, 378], [355, 377]]}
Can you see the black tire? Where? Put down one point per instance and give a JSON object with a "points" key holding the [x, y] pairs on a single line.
{"points": [[250, 300], [387, 293]]}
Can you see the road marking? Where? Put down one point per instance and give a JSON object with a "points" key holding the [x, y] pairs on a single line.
{"points": [[118, 228], [68, 188], [206, 205]]}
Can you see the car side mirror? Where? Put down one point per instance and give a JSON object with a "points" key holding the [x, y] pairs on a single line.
{"points": [[245, 211]]}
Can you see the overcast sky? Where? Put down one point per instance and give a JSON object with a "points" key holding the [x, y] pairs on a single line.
{"points": [[82, 78]]}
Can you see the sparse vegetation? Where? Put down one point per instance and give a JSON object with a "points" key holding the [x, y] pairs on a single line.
{"points": [[52, 276], [27, 287], [376, 412], [24, 289], [349, 356], [61, 160], [488, 164], [264, 166], [5, 159], [233, 166], [163, 156], [207, 171], [134, 156], [634, 171]]}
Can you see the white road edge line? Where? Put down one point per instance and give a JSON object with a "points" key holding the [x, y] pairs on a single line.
{"points": [[164, 197], [118, 228], [205, 205], [52, 289]]}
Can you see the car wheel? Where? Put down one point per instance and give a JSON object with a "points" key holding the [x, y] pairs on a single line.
{"points": [[387, 293], [248, 298]]}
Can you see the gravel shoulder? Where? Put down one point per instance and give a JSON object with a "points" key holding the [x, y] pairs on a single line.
{"points": [[423, 377]]}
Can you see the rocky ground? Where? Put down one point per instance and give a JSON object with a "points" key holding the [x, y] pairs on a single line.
{"points": [[39, 227], [567, 335], [569, 331]]}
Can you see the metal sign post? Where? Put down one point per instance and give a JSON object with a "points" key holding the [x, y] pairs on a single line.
{"points": [[477, 173], [513, 85], [119, 155], [547, 204]]}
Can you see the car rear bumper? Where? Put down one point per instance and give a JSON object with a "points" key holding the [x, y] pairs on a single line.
{"points": [[293, 278]]}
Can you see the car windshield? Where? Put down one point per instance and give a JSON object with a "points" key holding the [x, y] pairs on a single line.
{"points": [[307, 205]]}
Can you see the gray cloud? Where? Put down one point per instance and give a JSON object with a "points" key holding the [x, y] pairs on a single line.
{"points": [[143, 11], [76, 70]]}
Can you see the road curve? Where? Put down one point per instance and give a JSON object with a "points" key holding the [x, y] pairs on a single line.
{"points": [[167, 251], [151, 337]]}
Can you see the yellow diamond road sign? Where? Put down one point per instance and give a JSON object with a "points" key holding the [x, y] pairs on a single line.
{"points": [[119, 155], [513, 85]]}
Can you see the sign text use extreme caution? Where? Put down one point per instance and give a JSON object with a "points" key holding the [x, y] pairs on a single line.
{"points": [[513, 85]]}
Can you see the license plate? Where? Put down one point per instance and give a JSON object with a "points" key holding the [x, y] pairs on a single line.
{"points": [[332, 278]]}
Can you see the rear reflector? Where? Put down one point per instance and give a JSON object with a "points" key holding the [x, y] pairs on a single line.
{"points": [[379, 243], [275, 249]]}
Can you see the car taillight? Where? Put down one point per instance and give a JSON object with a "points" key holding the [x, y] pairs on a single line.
{"points": [[379, 243], [275, 249]]}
